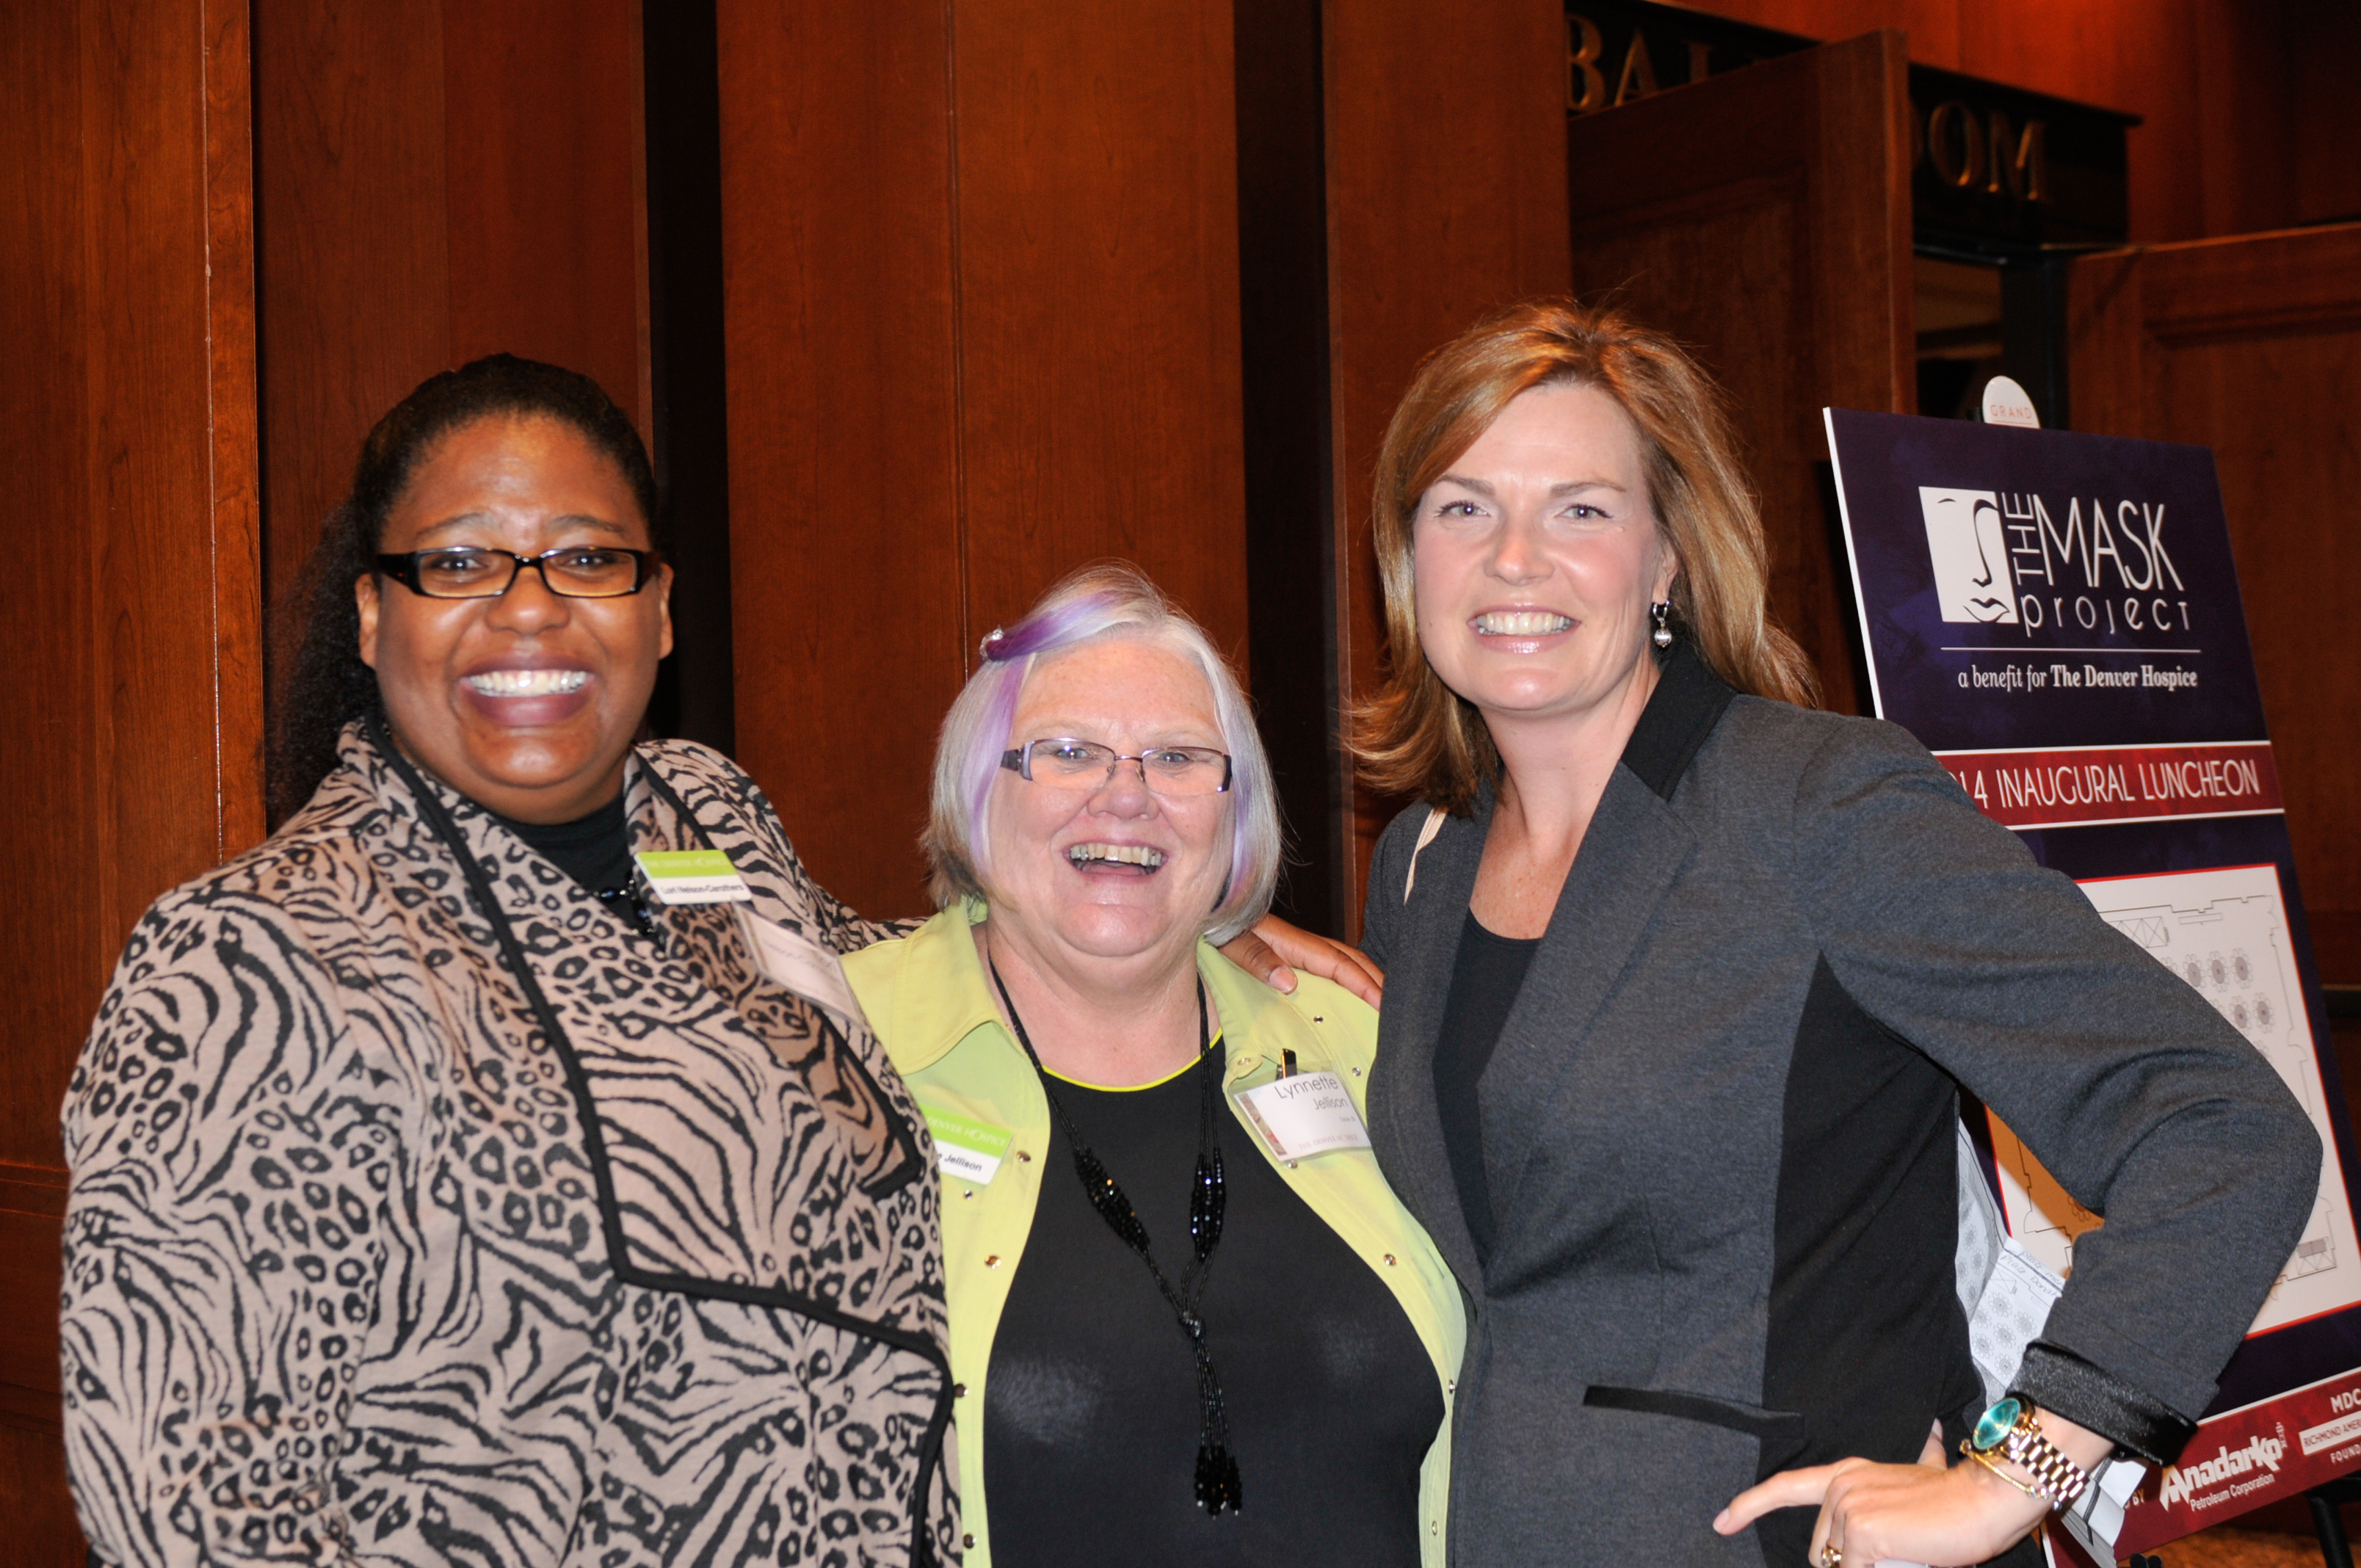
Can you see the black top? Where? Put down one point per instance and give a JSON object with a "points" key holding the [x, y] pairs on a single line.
{"points": [[1484, 980], [594, 850], [1091, 1404]]}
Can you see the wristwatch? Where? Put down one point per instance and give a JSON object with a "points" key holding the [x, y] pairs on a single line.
{"points": [[2012, 1430]]}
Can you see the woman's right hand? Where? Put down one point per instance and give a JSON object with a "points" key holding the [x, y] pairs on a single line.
{"points": [[1925, 1512], [1272, 944]]}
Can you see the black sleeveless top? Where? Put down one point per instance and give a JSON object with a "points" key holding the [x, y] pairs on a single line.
{"points": [[1484, 980], [1091, 1403]]}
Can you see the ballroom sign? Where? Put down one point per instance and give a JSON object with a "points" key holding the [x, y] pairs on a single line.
{"points": [[1988, 161], [2056, 616]]}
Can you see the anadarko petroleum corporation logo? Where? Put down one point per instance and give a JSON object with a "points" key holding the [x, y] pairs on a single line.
{"points": [[2181, 1482], [2002, 559]]}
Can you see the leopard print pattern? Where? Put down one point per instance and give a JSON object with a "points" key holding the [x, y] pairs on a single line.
{"points": [[364, 1266]]}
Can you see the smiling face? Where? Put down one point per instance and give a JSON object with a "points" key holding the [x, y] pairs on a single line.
{"points": [[1108, 870], [1535, 559], [526, 703]]}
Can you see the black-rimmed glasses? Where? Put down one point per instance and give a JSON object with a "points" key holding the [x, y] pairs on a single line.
{"points": [[573, 571], [1086, 764]]}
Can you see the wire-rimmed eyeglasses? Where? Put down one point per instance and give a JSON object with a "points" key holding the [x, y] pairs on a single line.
{"points": [[1066, 763], [571, 571]]}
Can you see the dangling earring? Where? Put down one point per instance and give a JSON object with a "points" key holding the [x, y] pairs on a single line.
{"points": [[1660, 612]]}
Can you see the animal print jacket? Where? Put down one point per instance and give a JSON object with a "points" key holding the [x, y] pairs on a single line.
{"points": [[401, 1235]]}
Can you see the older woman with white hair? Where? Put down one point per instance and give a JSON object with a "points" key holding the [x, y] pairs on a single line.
{"points": [[1190, 1322]]}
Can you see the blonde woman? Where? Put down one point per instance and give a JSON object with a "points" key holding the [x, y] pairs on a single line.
{"points": [[1682, 980]]}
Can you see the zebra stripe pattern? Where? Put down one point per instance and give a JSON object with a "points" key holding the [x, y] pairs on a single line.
{"points": [[368, 1263]]}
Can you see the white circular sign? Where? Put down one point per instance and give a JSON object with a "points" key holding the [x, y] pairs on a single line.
{"points": [[2006, 402]]}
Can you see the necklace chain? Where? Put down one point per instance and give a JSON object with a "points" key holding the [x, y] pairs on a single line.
{"points": [[1217, 1468]]}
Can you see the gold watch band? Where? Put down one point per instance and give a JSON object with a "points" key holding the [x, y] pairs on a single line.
{"points": [[2057, 1477], [1989, 1463]]}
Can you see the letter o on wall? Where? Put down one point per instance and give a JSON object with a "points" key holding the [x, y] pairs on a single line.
{"points": [[1955, 143]]}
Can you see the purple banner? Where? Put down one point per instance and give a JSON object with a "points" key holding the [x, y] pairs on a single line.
{"points": [[2057, 617], [2042, 588]]}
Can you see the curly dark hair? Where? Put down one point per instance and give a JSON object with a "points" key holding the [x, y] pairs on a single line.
{"points": [[329, 686]]}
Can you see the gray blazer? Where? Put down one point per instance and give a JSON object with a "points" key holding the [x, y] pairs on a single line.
{"points": [[1717, 1130]]}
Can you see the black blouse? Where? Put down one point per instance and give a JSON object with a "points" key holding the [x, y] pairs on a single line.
{"points": [[1090, 1406]]}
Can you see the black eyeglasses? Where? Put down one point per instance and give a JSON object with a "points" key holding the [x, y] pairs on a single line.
{"points": [[573, 571]]}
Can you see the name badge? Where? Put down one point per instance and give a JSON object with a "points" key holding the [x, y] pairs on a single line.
{"points": [[802, 965], [964, 1147], [1309, 1114], [693, 876]]}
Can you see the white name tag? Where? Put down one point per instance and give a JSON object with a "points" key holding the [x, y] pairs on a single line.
{"points": [[803, 966], [1304, 1115], [693, 876], [965, 1147]]}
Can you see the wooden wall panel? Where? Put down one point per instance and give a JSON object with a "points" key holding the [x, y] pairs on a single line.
{"points": [[127, 281], [349, 194], [983, 327], [33, 1496], [1097, 217], [1764, 219], [544, 158], [436, 179], [2253, 346], [2246, 104], [1446, 193], [848, 537]]}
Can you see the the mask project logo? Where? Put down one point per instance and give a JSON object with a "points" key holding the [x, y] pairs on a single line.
{"points": [[2005, 560], [1971, 575]]}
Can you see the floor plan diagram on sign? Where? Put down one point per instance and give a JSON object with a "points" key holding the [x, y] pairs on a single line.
{"points": [[2223, 932]]}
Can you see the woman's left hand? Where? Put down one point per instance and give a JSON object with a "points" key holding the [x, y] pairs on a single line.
{"points": [[1270, 944], [1910, 1513]]}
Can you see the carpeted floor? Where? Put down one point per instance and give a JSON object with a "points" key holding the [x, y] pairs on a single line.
{"points": [[2227, 1546]]}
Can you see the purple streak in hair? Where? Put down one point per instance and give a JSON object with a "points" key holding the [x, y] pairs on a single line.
{"points": [[1009, 649]]}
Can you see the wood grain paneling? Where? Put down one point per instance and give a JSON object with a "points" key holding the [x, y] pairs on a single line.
{"points": [[543, 157], [436, 179], [982, 323], [847, 509], [127, 295], [33, 1497], [2246, 104], [1447, 191], [1098, 299], [349, 194], [2253, 346], [1763, 219], [32, 1208]]}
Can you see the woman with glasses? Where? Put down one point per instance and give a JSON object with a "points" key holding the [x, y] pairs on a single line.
{"points": [[1189, 1322], [492, 1167]]}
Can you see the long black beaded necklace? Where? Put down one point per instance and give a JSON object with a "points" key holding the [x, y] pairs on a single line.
{"points": [[1217, 1468]]}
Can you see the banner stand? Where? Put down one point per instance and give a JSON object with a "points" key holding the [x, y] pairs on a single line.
{"points": [[2056, 616]]}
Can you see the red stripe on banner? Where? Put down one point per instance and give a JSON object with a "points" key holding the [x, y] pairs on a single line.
{"points": [[2265, 1452], [2063, 786]]}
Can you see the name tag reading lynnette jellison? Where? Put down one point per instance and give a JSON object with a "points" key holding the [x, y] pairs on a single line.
{"points": [[965, 1147], [693, 876], [1309, 1114]]}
